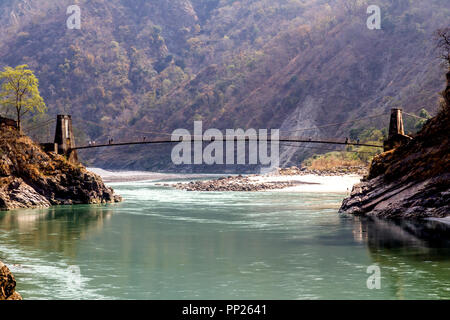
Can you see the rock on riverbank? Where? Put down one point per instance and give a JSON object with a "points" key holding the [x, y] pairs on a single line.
{"points": [[414, 179], [7, 284], [232, 183], [31, 178], [339, 171], [276, 180]]}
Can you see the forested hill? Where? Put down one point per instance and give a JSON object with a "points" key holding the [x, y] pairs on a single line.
{"points": [[140, 66]]}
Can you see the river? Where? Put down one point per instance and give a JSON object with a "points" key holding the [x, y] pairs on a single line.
{"points": [[162, 243]]}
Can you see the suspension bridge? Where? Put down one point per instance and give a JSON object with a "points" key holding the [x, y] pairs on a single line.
{"points": [[226, 138], [64, 142]]}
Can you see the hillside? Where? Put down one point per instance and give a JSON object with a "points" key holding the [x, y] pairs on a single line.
{"points": [[31, 178], [144, 67], [412, 180]]}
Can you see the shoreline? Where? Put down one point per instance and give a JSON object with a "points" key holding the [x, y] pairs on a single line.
{"points": [[278, 181], [140, 176], [309, 183], [317, 183]]}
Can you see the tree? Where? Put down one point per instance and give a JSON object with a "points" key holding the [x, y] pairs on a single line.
{"points": [[425, 115], [20, 92], [443, 44]]}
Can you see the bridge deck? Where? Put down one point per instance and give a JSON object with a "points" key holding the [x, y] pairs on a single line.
{"points": [[225, 139]]}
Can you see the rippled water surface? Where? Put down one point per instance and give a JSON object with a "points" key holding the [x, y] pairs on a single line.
{"points": [[169, 244]]}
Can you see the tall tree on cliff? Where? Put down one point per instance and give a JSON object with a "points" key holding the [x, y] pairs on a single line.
{"points": [[443, 44], [20, 92]]}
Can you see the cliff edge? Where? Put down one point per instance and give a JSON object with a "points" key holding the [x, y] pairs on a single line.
{"points": [[31, 178], [412, 180]]}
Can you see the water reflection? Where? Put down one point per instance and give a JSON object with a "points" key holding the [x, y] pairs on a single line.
{"points": [[397, 234], [56, 228], [168, 244], [413, 254]]}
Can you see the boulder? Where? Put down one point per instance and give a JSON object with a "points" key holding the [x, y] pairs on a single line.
{"points": [[7, 284]]}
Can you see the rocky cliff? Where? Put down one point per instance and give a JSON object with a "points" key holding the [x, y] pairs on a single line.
{"points": [[412, 180], [31, 178], [7, 284]]}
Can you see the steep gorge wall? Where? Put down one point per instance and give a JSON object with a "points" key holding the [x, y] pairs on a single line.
{"points": [[412, 180]]}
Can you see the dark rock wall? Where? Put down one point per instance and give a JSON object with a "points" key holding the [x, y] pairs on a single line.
{"points": [[412, 180]]}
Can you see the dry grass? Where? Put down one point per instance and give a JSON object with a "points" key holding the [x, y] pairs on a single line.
{"points": [[324, 163]]}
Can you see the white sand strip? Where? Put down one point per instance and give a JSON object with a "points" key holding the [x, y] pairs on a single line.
{"points": [[314, 183]]}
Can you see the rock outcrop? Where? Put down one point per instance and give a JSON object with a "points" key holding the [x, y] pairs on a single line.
{"points": [[7, 284], [412, 180], [31, 178]]}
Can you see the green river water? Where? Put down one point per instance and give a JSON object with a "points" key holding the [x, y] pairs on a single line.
{"points": [[162, 243]]}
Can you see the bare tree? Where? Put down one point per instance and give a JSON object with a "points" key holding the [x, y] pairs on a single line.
{"points": [[443, 44]]}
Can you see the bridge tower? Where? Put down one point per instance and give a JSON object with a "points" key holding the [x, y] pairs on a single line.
{"points": [[64, 138], [396, 124], [397, 135]]}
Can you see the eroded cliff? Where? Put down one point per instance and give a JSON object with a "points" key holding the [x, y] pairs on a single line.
{"points": [[412, 180], [31, 178]]}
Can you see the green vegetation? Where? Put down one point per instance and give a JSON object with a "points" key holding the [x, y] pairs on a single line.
{"points": [[362, 155], [353, 155], [20, 92], [413, 125]]}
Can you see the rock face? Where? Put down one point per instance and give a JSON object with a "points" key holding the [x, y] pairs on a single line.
{"points": [[412, 180], [7, 284], [31, 178]]}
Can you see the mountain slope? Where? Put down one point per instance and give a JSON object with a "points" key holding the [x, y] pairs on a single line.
{"points": [[139, 67]]}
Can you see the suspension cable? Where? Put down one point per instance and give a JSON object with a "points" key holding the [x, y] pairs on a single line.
{"points": [[43, 124], [337, 123], [327, 149], [414, 116]]}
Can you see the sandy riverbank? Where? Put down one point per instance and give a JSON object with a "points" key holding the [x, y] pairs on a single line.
{"points": [[313, 183], [130, 176], [274, 182], [308, 182], [305, 182]]}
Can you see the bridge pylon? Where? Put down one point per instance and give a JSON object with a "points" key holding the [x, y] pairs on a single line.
{"points": [[64, 138], [397, 135]]}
